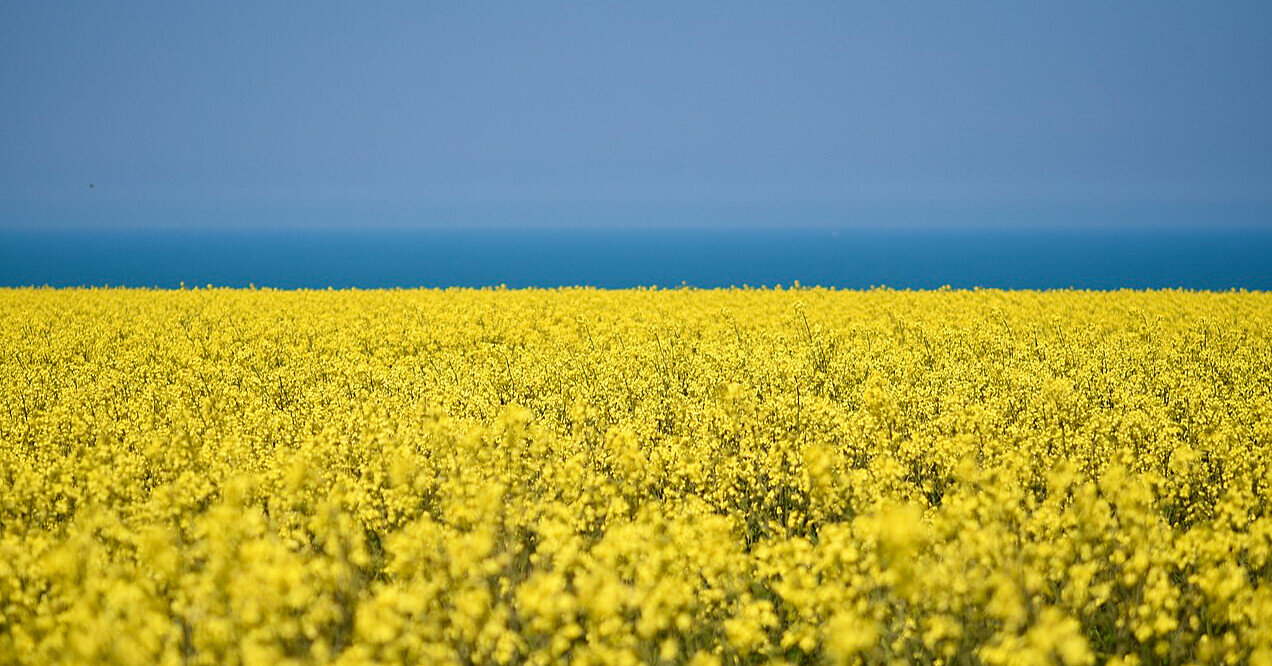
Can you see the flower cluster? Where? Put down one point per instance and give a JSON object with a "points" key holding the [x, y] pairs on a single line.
{"points": [[646, 476]]}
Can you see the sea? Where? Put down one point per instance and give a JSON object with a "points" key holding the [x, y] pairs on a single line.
{"points": [[620, 258]]}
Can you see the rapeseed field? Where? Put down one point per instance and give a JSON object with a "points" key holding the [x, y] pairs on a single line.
{"points": [[741, 476]]}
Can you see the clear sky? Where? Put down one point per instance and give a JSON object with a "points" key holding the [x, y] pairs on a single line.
{"points": [[206, 114]]}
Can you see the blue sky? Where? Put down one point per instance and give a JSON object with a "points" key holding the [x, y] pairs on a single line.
{"points": [[636, 114]]}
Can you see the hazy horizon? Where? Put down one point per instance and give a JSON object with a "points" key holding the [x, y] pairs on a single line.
{"points": [[811, 115]]}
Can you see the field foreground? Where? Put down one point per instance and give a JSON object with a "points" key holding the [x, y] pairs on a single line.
{"points": [[738, 476]]}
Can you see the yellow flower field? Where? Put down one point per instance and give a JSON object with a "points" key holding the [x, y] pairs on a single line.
{"points": [[649, 476]]}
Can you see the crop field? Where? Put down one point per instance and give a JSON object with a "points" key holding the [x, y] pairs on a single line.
{"points": [[218, 476]]}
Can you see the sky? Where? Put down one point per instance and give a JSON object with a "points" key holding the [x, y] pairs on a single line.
{"points": [[598, 114]]}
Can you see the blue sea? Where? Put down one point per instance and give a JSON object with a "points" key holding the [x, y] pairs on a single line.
{"points": [[856, 259]]}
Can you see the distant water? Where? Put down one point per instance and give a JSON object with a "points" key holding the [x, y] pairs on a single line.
{"points": [[1216, 260]]}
